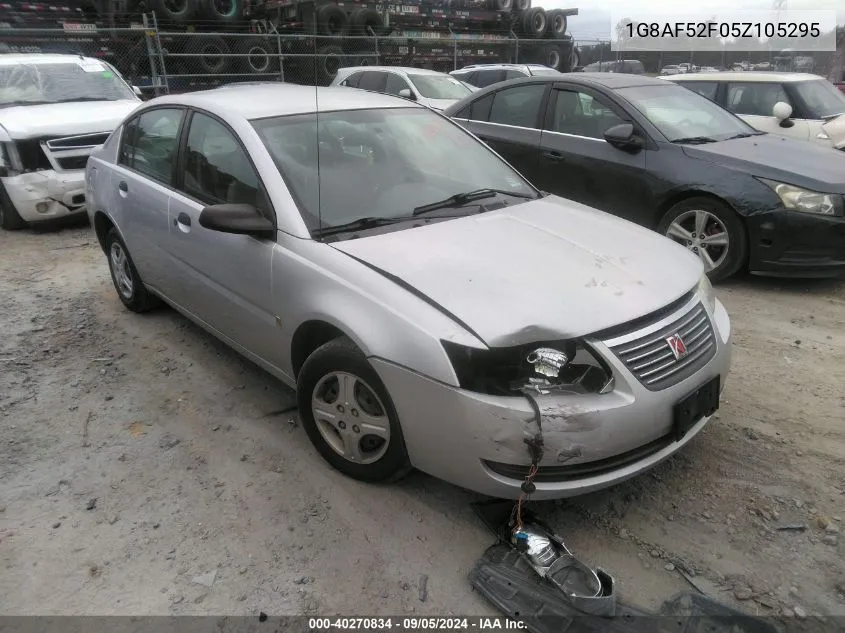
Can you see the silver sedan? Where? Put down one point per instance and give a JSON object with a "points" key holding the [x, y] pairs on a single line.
{"points": [[430, 306]]}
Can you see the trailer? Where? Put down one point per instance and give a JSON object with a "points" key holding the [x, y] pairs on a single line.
{"points": [[176, 45]]}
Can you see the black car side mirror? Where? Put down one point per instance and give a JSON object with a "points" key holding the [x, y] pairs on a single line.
{"points": [[623, 136], [240, 219]]}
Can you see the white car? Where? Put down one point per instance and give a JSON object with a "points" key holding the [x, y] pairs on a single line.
{"points": [[427, 87], [54, 110], [796, 105]]}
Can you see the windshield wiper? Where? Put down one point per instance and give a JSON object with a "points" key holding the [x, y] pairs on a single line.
{"points": [[12, 104], [744, 135], [358, 225], [460, 199], [695, 140], [72, 99]]}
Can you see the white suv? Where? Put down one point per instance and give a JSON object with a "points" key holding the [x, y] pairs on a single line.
{"points": [[54, 110], [483, 75]]}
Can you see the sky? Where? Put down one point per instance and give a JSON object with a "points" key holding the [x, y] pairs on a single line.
{"points": [[593, 20]]}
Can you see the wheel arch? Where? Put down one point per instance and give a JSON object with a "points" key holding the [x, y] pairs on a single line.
{"points": [[102, 224], [308, 337]]}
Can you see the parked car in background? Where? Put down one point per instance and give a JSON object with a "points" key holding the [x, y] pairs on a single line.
{"points": [[708, 69], [665, 157], [427, 87], [374, 258], [54, 109], [797, 105], [671, 70], [630, 66], [483, 75]]}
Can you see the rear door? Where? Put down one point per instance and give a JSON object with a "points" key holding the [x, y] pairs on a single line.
{"points": [[509, 121], [142, 179], [225, 277], [576, 162]]}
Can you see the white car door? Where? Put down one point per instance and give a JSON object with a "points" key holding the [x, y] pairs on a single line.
{"points": [[754, 102]]}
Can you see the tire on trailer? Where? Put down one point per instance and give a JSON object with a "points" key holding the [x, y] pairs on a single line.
{"points": [[332, 20], [552, 57], [222, 11], [724, 241], [523, 5], [213, 55], [574, 58], [364, 20], [322, 68], [263, 56], [501, 5], [534, 22], [556, 24], [183, 11]]}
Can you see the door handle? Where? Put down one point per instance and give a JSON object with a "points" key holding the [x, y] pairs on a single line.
{"points": [[553, 155], [123, 186], [183, 218]]}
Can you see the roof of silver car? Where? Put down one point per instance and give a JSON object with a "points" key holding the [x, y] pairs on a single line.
{"points": [[13, 59], [409, 70], [267, 100]]}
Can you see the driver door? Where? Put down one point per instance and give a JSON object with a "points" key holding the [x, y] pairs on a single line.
{"points": [[225, 278]]}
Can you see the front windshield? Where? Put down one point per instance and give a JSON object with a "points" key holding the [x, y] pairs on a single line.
{"points": [[821, 97], [82, 80], [680, 113], [380, 163], [439, 87]]}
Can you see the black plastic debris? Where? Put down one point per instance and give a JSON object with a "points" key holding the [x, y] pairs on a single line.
{"points": [[507, 578]]}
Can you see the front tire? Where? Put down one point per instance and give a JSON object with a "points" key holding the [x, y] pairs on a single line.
{"points": [[711, 230], [130, 289], [348, 414], [10, 219]]}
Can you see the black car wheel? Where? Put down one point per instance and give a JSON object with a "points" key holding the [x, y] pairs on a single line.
{"points": [[348, 414], [711, 230], [124, 275], [10, 219]]}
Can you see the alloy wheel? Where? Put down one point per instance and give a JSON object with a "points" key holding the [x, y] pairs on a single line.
{"points": [[704, 234], [122, 274], [350, 417]]}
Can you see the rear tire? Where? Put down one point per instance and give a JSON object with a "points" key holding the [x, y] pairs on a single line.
{"points": [[336, 419], [10, 219], [214, 54], [722, 249], [127, 282], [263, 57]]}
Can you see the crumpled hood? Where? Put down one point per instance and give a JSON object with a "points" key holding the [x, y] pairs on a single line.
{"points": [[778, 158], [835, 129], [64, 119], [542, 270]]}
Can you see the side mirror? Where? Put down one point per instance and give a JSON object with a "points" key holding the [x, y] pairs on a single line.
{"points": [[782, 111], [622, 136], [138, 92], [240, 219], [407, 94]]}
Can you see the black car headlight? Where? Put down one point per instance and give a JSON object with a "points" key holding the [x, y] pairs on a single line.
{"points": [[804, 200], [549, 366]]}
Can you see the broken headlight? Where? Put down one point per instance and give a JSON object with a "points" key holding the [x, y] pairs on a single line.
{"points": [[548, 366]]}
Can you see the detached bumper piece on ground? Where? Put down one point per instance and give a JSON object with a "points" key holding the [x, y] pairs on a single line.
{"points": [[535, 579]]}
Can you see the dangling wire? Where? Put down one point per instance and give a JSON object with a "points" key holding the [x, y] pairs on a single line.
{"points": [[535, 449]]}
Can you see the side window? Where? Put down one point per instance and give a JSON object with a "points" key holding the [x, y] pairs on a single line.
{"points": [[517, 106], [488, 77], [582, 114], [372, 80], [217, 169], [480, 109], [352, 80], [394, 83], [150, 142], [513, 74], [704, 88], [755, 98]]}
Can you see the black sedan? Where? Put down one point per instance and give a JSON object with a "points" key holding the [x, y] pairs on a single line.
{"points": [[669, 159]]}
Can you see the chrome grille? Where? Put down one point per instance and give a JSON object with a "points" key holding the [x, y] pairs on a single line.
{"points": [[651, 359], [71, 152]]}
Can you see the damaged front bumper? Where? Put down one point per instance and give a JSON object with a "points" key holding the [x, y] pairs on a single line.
{"points": [[591, 441], [46, 194]]}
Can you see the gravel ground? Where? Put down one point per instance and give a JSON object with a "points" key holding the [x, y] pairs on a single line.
{"points": [[147, 469]]}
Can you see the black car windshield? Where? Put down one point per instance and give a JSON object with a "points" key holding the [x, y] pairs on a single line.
{"points": [[380, 163], [821, 97], [80, 80], [439, 86], [680, 113]]}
